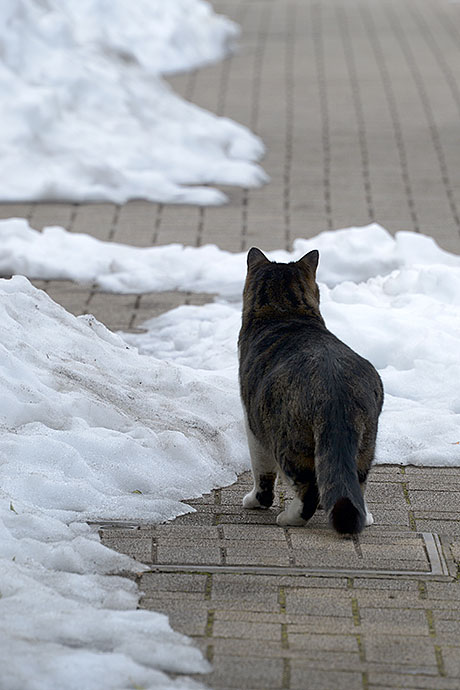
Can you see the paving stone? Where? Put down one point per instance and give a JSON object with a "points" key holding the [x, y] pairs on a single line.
{"points": [[416, 652], [443, 527], [172, 532], [308, 642], [398, 680], [389, 598], [439, 501], [441, 590], [253, 533], [319, 624], [174, 601], [393, 621], [365, 583], [275, 554], [451, 659], [318, 602], [239, 629], [191, 555], [138, 548], [172, 582], [245, 672], [303, 676]]}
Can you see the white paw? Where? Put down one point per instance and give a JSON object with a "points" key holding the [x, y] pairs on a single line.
{"points": [[286, 518], [369, 519], [250, 501]]}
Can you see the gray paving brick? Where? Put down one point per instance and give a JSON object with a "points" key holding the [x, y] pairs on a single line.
{"points": [[138, 548], [302, 676], [170, 533], [393, 621], [172, 582], [308, 642], [45, 214], [245, 672], [243, 629], [188, 554], [253, 533], [276, 554], [398, 680], [15, 210], [318, 603], [417, 652]]}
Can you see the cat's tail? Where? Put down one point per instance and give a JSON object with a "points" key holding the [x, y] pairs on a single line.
{"points": [[337, 479]]}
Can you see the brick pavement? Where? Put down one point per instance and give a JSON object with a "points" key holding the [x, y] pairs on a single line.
{"points": [[359, 105]]}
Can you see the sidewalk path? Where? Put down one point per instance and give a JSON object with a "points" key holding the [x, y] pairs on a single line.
{"points": [[358, 102]]}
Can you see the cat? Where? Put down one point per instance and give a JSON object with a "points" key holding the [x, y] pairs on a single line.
{"points": [[312, 404]]}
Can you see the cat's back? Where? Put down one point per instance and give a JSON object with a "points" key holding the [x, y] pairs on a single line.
{"points": [[300, 359]]}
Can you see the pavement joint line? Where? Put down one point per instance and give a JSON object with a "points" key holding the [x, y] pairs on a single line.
{"points": [[357, 546], [423, 594], [435, 553], [282, 599], [439, 660], [355, 612], [405, 490], [430, 622], [428, 110], [208, 587], [379, 54], [342, 21], [286, 681], [431, 542], [291, 552]]}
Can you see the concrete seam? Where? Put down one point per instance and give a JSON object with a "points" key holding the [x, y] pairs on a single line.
{"points": [[316, 23], [342, 21], [393, 111], [428, 111]]}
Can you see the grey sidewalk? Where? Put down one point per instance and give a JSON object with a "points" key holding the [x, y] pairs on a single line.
{"points": [[358, 102]]}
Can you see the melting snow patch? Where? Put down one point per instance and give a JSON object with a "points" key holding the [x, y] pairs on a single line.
{"points": [[92, 430], [88, 116]]}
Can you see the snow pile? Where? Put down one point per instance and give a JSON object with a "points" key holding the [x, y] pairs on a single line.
{"points": [[92, 430], [88, 117], [396, 300], [353, 254]]}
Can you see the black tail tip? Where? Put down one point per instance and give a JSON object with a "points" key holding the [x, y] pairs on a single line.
{"points": [[346, 518]]}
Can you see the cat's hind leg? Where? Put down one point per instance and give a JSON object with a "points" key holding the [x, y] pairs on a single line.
{"points": [[369, 519], [264, 474], [364, 461], [304, 504]]}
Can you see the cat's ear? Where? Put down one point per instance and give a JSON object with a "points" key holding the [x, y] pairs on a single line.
{"points": [[256, 258], [310, 261]]}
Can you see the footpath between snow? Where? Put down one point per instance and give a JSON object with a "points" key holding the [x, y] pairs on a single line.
{"points": [[104, 426]]}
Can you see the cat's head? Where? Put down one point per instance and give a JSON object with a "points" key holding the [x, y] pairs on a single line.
{"points": [[277, 288]]}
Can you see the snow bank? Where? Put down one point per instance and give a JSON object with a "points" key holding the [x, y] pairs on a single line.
{"points": [[396, 300], [88, 117], [92, 430], [353, 254]]}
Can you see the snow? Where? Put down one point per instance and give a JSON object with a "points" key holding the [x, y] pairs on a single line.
{"points": [[91, 430], [88, 116], [103, 426], [396, 300]]}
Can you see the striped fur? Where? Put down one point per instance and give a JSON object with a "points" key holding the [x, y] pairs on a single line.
{"points": [[312, 404]]}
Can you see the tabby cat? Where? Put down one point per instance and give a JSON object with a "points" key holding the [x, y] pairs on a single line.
{"points": [[312, 404]]}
